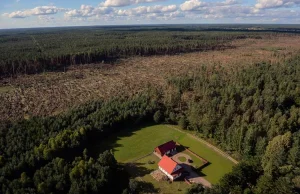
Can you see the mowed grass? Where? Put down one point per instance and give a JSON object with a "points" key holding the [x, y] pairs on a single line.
{"points": [[128, 146], [196, 161], [218, 166], [182, 159]]}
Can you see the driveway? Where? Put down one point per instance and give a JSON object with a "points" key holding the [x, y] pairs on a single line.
{"points": [[193, 177]]}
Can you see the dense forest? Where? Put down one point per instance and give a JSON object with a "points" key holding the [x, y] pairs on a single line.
{"points": [[252, 113], [48, 155], [30, 51]]}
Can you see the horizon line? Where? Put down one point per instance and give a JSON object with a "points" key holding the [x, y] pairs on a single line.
{"points": [[136, 25]]}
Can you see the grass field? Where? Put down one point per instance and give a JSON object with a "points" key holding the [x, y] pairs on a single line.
{"points": [[196, 161], [182, 159], [131, 145]]}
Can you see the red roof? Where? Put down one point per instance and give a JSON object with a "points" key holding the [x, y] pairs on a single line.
{"points": [[167, 164], [166, 147]]}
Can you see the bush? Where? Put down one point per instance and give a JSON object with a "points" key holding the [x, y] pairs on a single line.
{"points": [[158, 117], [183, 123], [133, 186], [172, 117]]}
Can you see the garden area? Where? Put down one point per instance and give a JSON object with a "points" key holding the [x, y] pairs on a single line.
{"points": [[129, 146]]}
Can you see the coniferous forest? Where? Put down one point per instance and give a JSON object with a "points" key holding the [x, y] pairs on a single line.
{"points": [[36, 50], [252, 113]]}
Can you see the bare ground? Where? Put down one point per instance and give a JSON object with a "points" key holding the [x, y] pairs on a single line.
{"points": [[54, 92]]}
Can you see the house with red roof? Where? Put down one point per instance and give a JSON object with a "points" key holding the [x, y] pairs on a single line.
{"points": [[169, 167], [166, 148]]}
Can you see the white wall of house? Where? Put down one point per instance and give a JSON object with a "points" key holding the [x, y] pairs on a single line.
{"points": [[177, 176], [172, 150], [170, 176]]}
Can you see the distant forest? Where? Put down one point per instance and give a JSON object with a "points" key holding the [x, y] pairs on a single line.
{"points": [[28, 51]]}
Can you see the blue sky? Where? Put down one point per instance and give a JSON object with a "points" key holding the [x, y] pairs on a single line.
{"points": [[48, 13]]}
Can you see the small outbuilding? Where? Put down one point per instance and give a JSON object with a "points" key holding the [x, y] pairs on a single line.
{"points": [[170, 168], [166, 148]]}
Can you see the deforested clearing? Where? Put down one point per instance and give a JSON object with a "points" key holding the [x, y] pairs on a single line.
{"points": [[51, 93]]}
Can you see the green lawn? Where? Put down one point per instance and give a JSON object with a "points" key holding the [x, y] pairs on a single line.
{"points": [[196, 161], [182, 159], [218, 164], [129, 145]]}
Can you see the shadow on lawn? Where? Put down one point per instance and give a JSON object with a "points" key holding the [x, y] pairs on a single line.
{"points": [[146, 187], [137, 170], [99, 142]]}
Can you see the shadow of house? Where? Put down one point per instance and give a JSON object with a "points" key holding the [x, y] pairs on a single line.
{"points": [[181, 148], [194, 172]]}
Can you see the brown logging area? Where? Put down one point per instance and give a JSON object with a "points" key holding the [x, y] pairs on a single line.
{"points": [[53, 92]]}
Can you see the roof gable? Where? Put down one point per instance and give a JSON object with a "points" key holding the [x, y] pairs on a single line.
{"points": [[167, 164], [167, 146]]}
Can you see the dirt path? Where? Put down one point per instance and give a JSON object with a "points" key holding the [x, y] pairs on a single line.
{"points": [[178, 155], [207, 144], [195, 178]]}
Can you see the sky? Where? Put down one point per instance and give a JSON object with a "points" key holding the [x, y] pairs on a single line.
{"points": [[50, 13]]}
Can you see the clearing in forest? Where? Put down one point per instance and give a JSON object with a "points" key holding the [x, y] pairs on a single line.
{"points": [[130, 145]]}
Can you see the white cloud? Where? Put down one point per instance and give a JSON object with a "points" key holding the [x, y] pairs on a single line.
{"points": [[242, 14], [16, 14], [228, 2], [191, 5], [100, 12], [189, 11], [143, 10], [121, 3], [267, 4], [88, 11], [41, 10]]}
